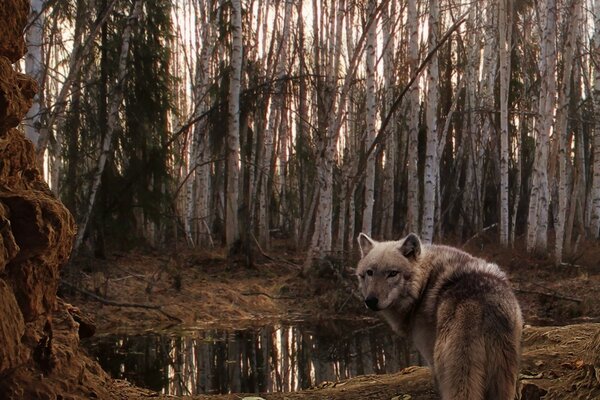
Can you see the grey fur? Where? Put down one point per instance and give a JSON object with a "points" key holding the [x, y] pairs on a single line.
{"points": [[459, 311]]}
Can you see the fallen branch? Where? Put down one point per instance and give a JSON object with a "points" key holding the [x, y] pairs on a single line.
{"points": [[119, 304], [268, 257], [554, 295], [487, 228], [267, 295]]}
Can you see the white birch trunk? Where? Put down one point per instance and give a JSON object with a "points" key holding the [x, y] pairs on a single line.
{"points": [[113, 120], [203, 212], [413, 185], [387, 201], [595, 191], [264, 174], [486, 95], [537, 221], [371, 111], [34, 66], [472, 128], [504, 30], [571, 27], [284, 118], [431, 156], [232, 232]]}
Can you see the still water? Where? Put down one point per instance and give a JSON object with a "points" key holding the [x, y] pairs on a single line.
{"points": [[269, 359]]}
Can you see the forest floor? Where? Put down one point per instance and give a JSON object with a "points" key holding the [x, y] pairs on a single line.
{"points": [[152, 291]]}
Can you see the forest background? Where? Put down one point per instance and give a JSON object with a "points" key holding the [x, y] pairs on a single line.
{"points": [[236, 122]]}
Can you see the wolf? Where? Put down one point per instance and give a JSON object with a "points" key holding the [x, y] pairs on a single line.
{"points": [[459, 311]]}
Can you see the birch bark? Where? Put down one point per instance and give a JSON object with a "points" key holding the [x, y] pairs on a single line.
{"points": [[232, 231], [389, 74], [571, 27], [537, 221], [431, 156], [595, 191], [504, 33], [34, 66], [199, 188], [413, 185], [371, 111]]}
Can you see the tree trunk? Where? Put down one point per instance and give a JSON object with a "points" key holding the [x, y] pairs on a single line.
{"points": [[413, 185], [34, 66], [571, 28], [595, 191], [232, 232], [371, 113], [431, 156], [389, 169], [537, 221], [505, 30]]}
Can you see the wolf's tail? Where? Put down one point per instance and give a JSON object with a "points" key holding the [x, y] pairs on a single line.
{"points": [[472, 362], [459, 359]]}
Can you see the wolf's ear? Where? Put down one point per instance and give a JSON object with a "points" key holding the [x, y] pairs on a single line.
{"points": [[365, 243], [411, 247]]}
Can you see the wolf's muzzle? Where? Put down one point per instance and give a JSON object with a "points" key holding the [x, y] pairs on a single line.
{"points": [[371, 302]]}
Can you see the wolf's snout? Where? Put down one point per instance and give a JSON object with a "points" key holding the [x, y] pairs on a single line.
{"points": [[371, 302]]}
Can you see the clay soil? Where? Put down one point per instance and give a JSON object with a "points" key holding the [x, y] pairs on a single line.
{"points": [[141, 291]]}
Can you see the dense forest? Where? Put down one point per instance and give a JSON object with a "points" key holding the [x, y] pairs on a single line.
{"points": [[235, 122]]}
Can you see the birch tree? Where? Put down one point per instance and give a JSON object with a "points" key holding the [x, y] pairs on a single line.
{"points": [[413, 185], [595, 190], [504, 33], [431, 156], [113, 120], [537, 221], [232, 232], [198, 186], [389, 74], [371, 112], [34, 66], [571, 27]]}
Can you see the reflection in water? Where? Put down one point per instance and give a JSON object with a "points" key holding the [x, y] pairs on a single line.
{"points": [[270, 359]]}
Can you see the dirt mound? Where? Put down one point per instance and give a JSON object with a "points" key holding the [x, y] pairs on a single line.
{"points": [[39, 339]]}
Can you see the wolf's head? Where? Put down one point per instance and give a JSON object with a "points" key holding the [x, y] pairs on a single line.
{"points": [[386, 270]]}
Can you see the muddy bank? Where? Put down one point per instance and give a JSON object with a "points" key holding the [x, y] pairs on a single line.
{"points": [[557, 364]]}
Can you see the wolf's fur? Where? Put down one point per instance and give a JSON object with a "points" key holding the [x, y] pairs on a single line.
{"points": [[459, 311]]}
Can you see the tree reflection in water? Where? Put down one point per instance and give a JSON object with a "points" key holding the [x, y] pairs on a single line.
{"points": [[277, 358]]}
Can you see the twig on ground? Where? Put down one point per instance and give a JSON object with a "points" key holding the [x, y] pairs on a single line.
{"points": [[119, 304]]}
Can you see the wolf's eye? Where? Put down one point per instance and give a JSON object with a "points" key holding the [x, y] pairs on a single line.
{"points": [[370, 272], [392, 274]]}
